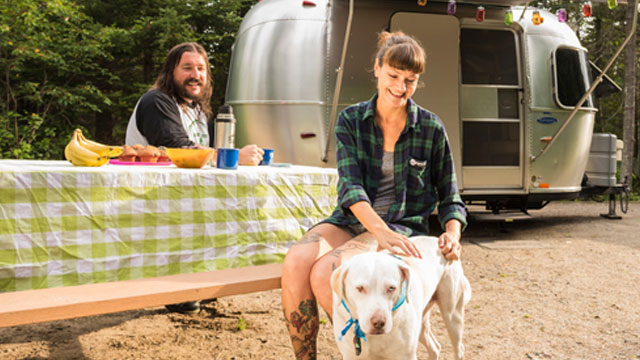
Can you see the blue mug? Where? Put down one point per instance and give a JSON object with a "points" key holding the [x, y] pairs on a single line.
{"points": [[267, 157], [228, 158]]}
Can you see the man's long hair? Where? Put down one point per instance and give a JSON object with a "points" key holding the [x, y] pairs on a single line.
{"points": [[165, 82]]}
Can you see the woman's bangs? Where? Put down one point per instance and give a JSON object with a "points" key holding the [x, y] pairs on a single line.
{"points": [[405, 57]]}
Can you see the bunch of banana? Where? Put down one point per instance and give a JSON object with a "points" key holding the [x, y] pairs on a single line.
{"points": [[83, 152]]}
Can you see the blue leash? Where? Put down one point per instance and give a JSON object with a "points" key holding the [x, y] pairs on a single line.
{"points": [[359, 333]]}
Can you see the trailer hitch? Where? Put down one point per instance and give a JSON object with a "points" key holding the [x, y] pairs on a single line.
{"points": [[622, 193]]}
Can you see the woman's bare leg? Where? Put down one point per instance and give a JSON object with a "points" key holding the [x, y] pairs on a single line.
{"points": [[321, 272], [299, 305]]}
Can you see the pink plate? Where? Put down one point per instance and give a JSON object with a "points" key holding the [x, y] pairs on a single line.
{"points": [[118, 162]]}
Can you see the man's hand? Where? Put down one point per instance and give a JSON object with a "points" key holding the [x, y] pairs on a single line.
{"points": [[250, 155]]}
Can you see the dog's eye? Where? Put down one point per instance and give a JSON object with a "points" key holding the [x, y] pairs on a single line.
{"points": [[391, 289], [361, 289]]}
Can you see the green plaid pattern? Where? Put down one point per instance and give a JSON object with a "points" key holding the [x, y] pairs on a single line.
{"points": [[424, 172], [62, 225]]}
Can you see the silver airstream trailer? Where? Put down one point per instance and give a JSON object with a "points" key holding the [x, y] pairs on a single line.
{"points": [[501, 90]]}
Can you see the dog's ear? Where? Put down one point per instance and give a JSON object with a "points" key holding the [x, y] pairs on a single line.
{"points": [[337, 280], [404, 271]]}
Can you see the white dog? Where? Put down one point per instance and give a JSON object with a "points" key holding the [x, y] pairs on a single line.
{"points": [[381, 303]]}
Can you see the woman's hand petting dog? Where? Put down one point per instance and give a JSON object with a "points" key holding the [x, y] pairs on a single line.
{"points": [[392, 241], [449, 242]]}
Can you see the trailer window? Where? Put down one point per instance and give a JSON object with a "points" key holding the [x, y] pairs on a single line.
{"points": [[491, 143], [488, 57], [571, 77]]}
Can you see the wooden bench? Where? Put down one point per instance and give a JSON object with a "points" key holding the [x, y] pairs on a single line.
{"points": [[31, 306]]}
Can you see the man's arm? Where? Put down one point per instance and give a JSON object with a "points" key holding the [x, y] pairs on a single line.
{"points": [[158, 119]]}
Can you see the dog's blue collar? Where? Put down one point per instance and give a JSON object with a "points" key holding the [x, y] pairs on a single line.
{"points": [[403, 297], [403, 291]]}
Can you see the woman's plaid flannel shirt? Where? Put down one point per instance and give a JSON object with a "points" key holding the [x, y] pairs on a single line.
{"points": [[424, 172]]}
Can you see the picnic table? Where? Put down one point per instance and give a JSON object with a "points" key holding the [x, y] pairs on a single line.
{"points": [[63, 226]]}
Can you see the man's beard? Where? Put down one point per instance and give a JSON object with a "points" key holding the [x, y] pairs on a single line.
{"points": [[182, 90]]}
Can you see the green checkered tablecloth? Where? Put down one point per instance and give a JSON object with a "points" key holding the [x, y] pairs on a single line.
{"points": [[62, 225]]}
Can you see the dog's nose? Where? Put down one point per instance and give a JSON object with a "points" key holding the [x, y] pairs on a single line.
{"points": [[377, 322]]}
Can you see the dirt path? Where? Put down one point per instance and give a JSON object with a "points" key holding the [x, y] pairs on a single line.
{"points": [[562, 285]]}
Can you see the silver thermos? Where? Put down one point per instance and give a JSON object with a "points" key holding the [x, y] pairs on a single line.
{"points": [[225, 128]]}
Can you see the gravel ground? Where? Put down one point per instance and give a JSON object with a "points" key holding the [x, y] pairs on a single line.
{"points": [[563, 284]]}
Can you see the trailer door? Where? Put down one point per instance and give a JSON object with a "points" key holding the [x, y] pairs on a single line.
{"points": [[439, 90], [491, 110]]}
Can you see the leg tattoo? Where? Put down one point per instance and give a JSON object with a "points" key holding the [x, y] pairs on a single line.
{"points": [[348, 247], [359, 244], [306, 323], [309, 238]]}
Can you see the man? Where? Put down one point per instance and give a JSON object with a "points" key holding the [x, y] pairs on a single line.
{"points": [[175, 113]]}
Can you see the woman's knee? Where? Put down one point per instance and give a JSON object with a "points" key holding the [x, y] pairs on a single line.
{"points": [[321, 272], [296, 265]]}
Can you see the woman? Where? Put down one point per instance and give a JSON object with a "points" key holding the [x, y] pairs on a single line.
{"points": [[395, 164]]}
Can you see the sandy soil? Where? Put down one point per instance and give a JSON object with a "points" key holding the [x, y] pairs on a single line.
{"points": [[562, 285]]}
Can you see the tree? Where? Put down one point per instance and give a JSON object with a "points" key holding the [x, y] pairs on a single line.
{"points": [[629, 128], [49, 52]]}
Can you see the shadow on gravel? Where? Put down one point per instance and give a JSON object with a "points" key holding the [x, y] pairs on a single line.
{"points": [[509, 227], [557, 221], [71, 348]]}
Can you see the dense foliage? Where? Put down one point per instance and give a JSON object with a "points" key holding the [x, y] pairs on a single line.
{"points": [[66, 64], [46, 51]]}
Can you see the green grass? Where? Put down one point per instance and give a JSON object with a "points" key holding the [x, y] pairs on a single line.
{"points": [[242, 324]]}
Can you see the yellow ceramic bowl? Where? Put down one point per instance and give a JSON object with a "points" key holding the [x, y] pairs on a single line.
{"points": [[191, 158]]}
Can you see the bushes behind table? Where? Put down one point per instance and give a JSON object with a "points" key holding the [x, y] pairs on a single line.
{"points": [[84, 64]]}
